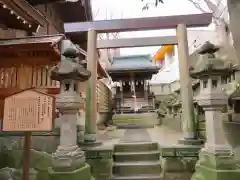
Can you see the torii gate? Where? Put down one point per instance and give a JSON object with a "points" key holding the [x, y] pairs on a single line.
{"points": [[137, 24]]}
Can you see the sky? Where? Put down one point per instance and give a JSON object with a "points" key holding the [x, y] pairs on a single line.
{"points": [[118, 9]]}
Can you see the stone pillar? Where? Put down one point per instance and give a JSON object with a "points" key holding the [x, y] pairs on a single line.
{"points": [[189, 126], [91, 93], [213, 102], [121, 96], [145, 90]]}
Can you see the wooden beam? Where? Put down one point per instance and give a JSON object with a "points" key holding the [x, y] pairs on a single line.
{"points": [[138, 24], [137, 42]]}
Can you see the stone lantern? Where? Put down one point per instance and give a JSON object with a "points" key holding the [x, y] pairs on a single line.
{"points": [[69, 158], [215, 159]]}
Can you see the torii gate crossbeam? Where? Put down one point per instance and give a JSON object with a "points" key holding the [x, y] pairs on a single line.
{"points": [[139, 24]]}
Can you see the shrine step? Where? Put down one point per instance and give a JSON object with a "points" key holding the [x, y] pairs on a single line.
{"points": [[142, 177], [136, 147], [148, 119], [138, 168], [134, 126], [136, 156]]}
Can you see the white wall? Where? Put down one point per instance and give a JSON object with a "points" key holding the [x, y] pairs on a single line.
{"points": [[170, 72]]}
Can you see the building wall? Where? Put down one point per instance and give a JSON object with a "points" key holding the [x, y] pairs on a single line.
{"points": [[55, 24], [169, 74]]}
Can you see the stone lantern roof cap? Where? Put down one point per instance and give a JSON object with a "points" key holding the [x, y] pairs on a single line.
{"points": [[209, 65], [235, 95], [70, 67]]}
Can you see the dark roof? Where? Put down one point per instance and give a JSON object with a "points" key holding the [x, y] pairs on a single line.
{"points": [[133, 63], [70, 11], [20, 15], [31, 40]]}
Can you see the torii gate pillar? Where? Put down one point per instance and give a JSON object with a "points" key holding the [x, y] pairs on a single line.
{"points": [[91, 93], [189, 124]]}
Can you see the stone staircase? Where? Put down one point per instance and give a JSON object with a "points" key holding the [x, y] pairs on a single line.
{"points": [[136, 161]]}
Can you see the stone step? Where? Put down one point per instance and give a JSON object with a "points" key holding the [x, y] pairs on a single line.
{"points": [[134, 126], [136, 147], [136, 156], [142, 177], [136, 168]]}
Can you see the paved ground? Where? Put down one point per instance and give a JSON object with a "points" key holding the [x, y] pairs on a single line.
{"points": [[161, 134], [135, 135]]}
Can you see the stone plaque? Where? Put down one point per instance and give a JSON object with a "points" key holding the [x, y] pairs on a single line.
{"points": [[28, 110]]}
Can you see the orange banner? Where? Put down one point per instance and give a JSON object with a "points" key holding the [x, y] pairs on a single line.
{"points": [[160, 54]]}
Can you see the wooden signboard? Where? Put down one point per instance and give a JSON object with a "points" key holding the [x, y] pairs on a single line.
{"points": [[28, 111]]}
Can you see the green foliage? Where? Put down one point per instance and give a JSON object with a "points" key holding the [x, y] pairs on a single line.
{"points": [[155, 3]]}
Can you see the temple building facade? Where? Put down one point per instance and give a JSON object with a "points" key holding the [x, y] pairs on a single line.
{"points": [[133, 89]]}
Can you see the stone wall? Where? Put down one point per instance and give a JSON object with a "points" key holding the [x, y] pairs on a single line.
{"points": [[178, 162], [101, 163]]}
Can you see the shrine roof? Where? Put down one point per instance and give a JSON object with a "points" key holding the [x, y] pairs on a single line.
{"points": [[70, 11], [32, 40], [32, 49], [133, 63], [20, 15]]}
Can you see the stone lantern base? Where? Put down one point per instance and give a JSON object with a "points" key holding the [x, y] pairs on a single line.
{"points": [[83, 173], [193, 142], [220, 166]]}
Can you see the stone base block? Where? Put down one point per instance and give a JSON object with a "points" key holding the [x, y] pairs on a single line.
{"points": [[83, 173], [89, 144], [174, 168], [194, 142], [177, 176], [216, 167]]}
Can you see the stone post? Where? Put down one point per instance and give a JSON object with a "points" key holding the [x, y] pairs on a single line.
{"points": [[145, 90], [121, 97], [189, 126], [91, 93], [69, 159]]}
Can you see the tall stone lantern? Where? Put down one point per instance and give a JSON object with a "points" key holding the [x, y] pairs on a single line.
{"points": [[69, 159], [215, 159]]}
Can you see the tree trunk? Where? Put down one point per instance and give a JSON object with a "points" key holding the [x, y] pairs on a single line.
{"points": [[234, 13]]}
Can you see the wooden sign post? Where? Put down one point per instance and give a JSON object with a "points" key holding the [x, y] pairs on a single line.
{"points": [[28, 111]]}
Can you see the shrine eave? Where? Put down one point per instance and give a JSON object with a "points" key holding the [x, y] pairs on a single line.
{"points": [[33, 48], [20, 15], [151, 70], [30, 43], [70, 11], [38, 2]]}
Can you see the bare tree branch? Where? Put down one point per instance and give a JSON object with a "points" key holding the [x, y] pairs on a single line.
{"points": [[197, 5]]}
